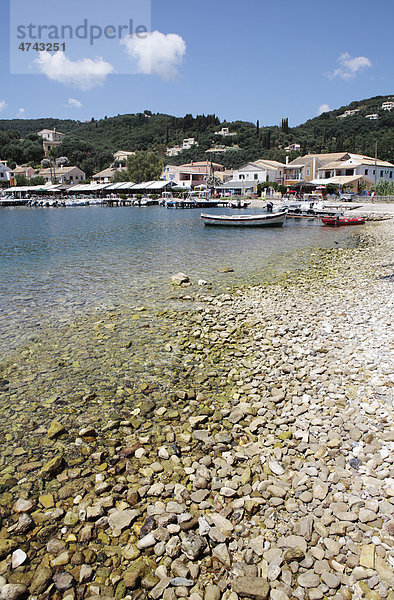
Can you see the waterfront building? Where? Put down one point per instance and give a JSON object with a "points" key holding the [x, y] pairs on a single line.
{"points": [[25, 170], [261, 170], [191, 174], [105, 176], [356, 164], [70, 175], [50, 139], [5, 172]]}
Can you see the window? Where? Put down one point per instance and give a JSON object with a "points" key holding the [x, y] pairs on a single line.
{"points": [[349, 172], [308, 172], [391, 174], [373, 172], [381, 173], [256, 176], [242, 176], [366, 172]]}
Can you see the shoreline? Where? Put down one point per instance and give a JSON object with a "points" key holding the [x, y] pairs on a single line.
{"points": [[259, 468]]}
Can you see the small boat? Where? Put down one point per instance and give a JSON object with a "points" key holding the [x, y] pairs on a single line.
{"points": [[239, 204], [265, 220], [341, 220]]}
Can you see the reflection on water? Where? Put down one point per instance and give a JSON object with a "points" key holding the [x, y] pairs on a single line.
{"points": [[57, 264]]}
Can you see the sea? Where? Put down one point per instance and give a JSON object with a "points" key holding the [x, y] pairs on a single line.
{"points": [[58, 265]]}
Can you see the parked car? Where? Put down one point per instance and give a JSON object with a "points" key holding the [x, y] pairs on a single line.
{"points": [[346, 197]]}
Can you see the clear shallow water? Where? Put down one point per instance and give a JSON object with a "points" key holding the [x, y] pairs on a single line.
{"points": [[62, 263]]}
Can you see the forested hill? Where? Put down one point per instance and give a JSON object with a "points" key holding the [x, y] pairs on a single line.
{"points": [[91, 144]]}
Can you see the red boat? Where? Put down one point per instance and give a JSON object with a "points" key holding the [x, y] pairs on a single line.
{"points": [[341, 220]]}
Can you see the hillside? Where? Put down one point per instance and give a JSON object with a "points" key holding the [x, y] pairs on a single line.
{"points": [[91, 144]]}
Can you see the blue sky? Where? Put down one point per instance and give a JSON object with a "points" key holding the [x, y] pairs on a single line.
{"points": [[247, 60]]}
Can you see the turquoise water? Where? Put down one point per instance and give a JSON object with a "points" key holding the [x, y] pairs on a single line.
{"points": [[60, 263]]}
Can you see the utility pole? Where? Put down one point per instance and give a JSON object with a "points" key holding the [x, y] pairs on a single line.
{"points": [[376, 161]]}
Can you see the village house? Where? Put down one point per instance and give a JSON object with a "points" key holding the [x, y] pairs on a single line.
{"points": [[221, 148], [349, 113], [355, 165], [293, 148], [225, 132], [69, 175], [388, 105], [105, 176], [305, 168], [191, 174], [186, 145], [5, 172], [25, 170], [372, 117], [122, 155], [246, 179], [50, 139], [224, 176], [260, 170]]}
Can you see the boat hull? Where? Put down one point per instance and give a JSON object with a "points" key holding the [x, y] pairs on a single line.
{"points": [[339, 221], [269, 220]]}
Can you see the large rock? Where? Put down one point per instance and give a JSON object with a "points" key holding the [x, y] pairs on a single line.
{"points": [[179, 279], [251, 587]]}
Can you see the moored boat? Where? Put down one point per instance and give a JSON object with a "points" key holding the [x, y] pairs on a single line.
{"points": [[342, 220], [262, 220]]}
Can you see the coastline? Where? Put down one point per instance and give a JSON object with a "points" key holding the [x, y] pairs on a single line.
{"points": [[260, 466]]}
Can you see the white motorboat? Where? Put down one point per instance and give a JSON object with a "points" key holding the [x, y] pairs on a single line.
{"points": [[262, 220]]}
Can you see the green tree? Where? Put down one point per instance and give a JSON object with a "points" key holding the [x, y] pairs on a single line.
{"points": [[143, 166], [384, 188]]}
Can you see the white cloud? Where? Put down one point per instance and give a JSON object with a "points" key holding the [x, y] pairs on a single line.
{"points": [[3, 104], [21, 113], [350, 65], [74, 103], [323, 108], [156, 53], [83, 74]]}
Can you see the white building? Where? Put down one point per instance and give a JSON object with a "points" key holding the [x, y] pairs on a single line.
{"points": [[293, 147], [388, 105], [5, 172], [354, 165], [349, 113], [70, 175], [186, 145], [50, 138], [225, 132], [260, 171], [122, 155], [372, 117]]}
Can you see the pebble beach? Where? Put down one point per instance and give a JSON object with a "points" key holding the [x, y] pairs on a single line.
{"points": [[259, 465]]}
